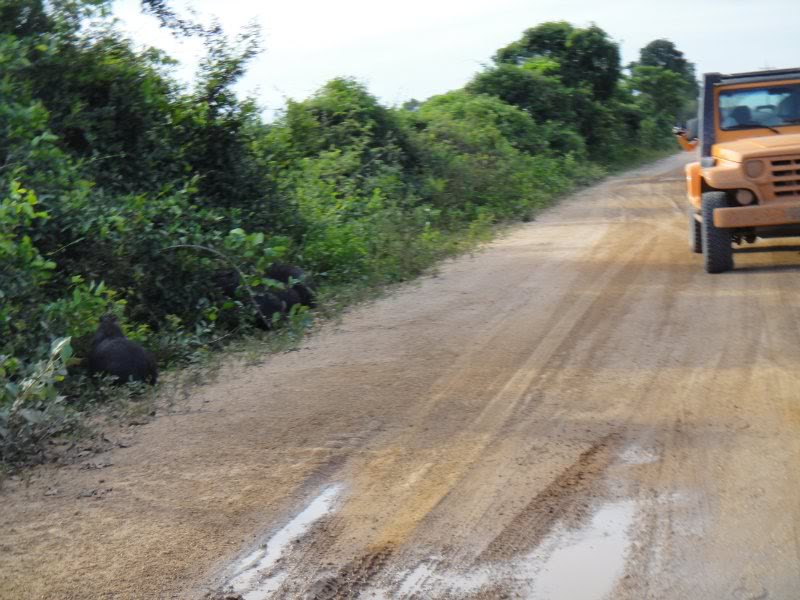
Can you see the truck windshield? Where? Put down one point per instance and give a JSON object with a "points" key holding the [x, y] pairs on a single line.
{"points": [[750, 108]]}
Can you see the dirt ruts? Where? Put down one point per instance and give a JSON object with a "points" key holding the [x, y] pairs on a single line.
{"points": [[581, 376]]}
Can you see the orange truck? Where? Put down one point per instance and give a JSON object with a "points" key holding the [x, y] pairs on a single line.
{"points": [[746, 184]]}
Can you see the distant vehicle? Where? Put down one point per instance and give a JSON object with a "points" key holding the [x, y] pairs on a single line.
{"points": [[746, 184]]}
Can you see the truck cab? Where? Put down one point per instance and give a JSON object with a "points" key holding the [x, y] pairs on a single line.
{"points": [[746, 183]]}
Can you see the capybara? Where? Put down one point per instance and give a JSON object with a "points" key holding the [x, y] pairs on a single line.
{"points": [[111, 353], [275, 301], [302, 283], [228, 281]]}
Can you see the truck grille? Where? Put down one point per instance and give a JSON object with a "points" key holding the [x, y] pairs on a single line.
{"points": [[785, 176]]}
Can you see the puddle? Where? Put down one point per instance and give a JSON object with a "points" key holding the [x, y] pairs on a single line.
{"points": [[251, 577], [570, 564], [586, 563]]}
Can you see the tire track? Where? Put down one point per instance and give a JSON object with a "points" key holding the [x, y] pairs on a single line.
{"points": [[353, 577], [566, 499]]}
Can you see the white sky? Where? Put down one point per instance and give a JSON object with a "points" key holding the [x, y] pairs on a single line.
{"points": [[419, 48]]}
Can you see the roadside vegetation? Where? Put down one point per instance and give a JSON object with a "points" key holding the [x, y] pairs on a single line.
{"points": [[110, 171]]}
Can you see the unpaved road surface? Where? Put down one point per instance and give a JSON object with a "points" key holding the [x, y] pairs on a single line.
{"points": [[576, 412]]}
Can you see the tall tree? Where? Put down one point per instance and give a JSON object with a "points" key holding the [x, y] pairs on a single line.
{"points": [[548, 40], [586, 56], [660, 91], [663, 53]]}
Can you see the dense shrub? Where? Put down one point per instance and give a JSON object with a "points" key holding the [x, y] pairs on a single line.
{"points": [[122, 191], [32, 410]]}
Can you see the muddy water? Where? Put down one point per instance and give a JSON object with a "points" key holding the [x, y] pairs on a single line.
{"points": [[582, 564], [583, 557], [255, 576], [585, 564], [581, 560]]}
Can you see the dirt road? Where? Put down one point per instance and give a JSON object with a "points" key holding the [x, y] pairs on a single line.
{"points": [[576, 412]]}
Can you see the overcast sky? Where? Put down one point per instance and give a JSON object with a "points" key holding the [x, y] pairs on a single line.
{"points": [[419, 48]]}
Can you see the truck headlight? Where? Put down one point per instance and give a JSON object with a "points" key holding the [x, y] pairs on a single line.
{"points": [[754, 168]]}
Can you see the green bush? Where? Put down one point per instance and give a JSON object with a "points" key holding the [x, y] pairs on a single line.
{"points": [[123, 191], [31, 408]]}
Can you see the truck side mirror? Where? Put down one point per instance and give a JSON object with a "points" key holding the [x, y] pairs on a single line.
{"points": [[691, 129]]}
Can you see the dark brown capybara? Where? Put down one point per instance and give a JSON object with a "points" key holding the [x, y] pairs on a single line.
{"points": [[228, 281], [297, 289], [274, 302], [111, 353], [302, 283]]}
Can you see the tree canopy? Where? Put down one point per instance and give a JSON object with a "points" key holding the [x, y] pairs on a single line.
{"points": [[663, 53], [584, 55]]}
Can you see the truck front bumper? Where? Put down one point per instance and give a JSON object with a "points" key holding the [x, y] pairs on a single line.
{"points": [[757, 216]]}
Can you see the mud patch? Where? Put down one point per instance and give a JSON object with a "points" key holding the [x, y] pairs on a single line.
{"points": [[353, 577], [414, 579], [255, 576], [567, 498], [638, 455], [569, 564], [432, 575]]}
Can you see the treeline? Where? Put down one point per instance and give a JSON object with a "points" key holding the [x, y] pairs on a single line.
{"points": [[107, 164]]}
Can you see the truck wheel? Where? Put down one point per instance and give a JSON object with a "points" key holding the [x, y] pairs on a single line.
{"points": [[717, 249], [695, 233]]}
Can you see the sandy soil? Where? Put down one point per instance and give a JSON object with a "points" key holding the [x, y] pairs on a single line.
{"points": [[577, 411]]}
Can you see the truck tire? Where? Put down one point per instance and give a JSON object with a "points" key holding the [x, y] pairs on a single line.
{"points": [[695, 233], [717, 249]]}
